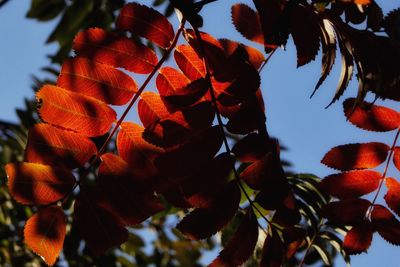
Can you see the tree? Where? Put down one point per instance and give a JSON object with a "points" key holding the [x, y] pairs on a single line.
{"points": [[174, 161]]}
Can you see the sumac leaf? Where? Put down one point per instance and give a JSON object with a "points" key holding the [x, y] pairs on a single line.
{"points": [[356, 156], [189, 62], [392, 196], [252, 148], [396, 157], [386, 224], [170, 80], [359, 238], [97, 80], [240, 247], [115, 50], [351, 184], [74, 111], [52, 146], [273, 251], [247, 22], [37, 184], [45, 231], [371, 117], [146, 22], [204, 222], [256, 58], [349, 211]]}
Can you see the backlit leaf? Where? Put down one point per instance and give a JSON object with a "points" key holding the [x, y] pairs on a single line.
{"points": [[77, 112], [97, 80], [358, 239], [350, 211], [256, 58], [240, 247], [351, 184], [170, 80], [189, 62], [37, 184], [146, 22], [45, 231], [247, 22], [392, 196], [204, 222], [386, 224], [115, 50], [371, 117], [396, 157], [356, 156], [136, 151], [51, 145]]}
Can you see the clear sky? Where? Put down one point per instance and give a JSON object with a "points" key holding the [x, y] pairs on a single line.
{"points": [[301, 124]]}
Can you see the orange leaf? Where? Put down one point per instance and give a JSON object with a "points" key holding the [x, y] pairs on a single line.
{"points": [[123, 194], [97, 80], [348, 212], [371, 117], [204, 222], [77, 112], [51, 145], [358, 239], [256, 58], [189, 62], [117, 51], [146, 22], [386, 224], [100, 228], [392, 196], [151, 108], [136, 151], [241, 246], [44, 233], [37, 184], [396, 157], [356, 156], [247, 22], [305, 32], [351, 184], [170, 80]]}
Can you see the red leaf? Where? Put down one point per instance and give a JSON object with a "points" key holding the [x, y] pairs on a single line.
{"points": [[356, 156], [123, 194], [97, 80], [247, 22], [351, 184], [273, 251], [170, 80], [252, 147], [348, 212], [386, 224], [44, 233], [37, 184], [396, 157], [136, 151], [188, 95], [146, 22], [151, 108], [115, 50], [189, 62], [371, 117], [100, 228], [77, 112], [305, 32], [202, 223], [294, 238], [392, 196], [53, 146], [241, 246], [270, 13], [358, 239], [256, 58]]}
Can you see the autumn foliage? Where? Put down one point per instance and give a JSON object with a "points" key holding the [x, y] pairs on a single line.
{"points": [[181, 155]]}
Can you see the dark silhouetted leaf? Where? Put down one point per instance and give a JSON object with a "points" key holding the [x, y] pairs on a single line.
{"points": [[114, 50], [350, 211], [356, 156], [51, 145], [247, 22], [386, 224], [391, 24], [146, 22], [37, 184], [256, 58], [252, 148], [351, 184], [273, 251], [44, 233], [97, 80], [371, 117]]}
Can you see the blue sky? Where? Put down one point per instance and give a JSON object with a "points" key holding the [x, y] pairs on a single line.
{"points": [[303, 125]]}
